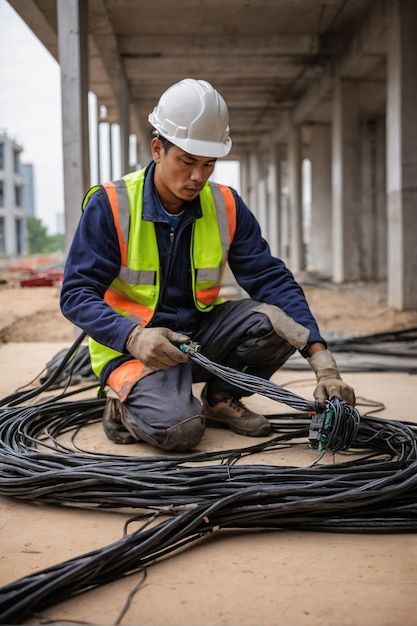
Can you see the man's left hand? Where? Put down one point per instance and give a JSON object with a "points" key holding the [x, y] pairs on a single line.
{"points": [[329, 381]]}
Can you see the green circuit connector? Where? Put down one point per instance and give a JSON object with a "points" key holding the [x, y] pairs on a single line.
{"points": [[320, 429], [189, 348]]}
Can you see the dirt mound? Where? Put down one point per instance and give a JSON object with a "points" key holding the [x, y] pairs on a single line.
{"points": [[356, 309], [33, 314]]}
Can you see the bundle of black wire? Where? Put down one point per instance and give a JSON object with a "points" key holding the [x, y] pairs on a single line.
{"points": [[346, 423], [375, 493], [251, 383], [345, 418]]}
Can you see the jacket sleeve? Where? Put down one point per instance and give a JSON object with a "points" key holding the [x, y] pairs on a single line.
{"points": [[92, 263], [264, 277]]}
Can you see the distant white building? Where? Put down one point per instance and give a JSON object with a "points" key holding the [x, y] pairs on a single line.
{"points": [[28, 190], [12, 212]]}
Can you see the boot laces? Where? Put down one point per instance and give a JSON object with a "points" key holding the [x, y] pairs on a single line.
{"points": [[236, 405]]}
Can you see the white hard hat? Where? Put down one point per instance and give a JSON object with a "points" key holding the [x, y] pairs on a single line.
{"points": [[192, 115]]}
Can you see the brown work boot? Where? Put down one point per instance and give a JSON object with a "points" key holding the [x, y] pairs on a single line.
{"points": [[233, 414], [112, 422]]}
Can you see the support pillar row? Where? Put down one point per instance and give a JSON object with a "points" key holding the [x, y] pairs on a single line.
{"points": [[321, 242], [402, 155], [72, 18], [346, 182]]}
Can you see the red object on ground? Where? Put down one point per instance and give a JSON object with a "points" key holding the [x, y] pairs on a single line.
{"points": [[47, 278]]}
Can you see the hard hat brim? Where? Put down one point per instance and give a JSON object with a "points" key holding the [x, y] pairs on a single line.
{"points": [[209, 149]]}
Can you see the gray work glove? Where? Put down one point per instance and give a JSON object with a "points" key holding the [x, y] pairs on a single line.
{"points": [[154, 346], [329, 381], [284, 326]]}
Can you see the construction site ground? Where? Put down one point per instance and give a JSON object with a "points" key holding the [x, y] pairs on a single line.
{"points": [[284, 578]]}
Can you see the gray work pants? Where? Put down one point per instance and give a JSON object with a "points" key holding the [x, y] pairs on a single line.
{"points": [[232, 334]]}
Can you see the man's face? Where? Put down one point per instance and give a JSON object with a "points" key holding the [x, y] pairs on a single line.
{"points": [[179, 176]]}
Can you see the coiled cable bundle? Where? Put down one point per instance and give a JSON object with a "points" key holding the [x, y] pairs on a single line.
{"points": [[335, 428], [193, 495], [334, 425]]}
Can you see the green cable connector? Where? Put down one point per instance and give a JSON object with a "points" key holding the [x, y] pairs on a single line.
{"points": [[189, 348], [320, 430]]}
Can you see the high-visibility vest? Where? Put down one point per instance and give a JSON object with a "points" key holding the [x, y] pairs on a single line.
{"points": [[135, 291]]}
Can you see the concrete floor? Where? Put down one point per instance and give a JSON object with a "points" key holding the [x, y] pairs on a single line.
{"points": [[255, 578]]}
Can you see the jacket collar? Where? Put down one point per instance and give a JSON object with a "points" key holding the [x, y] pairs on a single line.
{"points": [[150, 211]]}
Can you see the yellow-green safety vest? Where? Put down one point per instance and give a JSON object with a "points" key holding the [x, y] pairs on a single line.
{"points": [[135, 291]]}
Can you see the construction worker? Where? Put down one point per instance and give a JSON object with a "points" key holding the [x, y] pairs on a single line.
{"points": [[144, 274]]}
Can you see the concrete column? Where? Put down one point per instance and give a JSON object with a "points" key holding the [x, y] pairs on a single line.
{"points": [[111, 156], [93, 138], [402, 155], [381, 201], [72, 20], [368, 201], [297, 261], [320, 254], [253, 184], [285, 209], [124, 122], [104, 155], [373, 222], [107, 150], [98, 148], [262, 193], [346, 192], [244, 178], [274, 198], [116, 145], [143, 151]]}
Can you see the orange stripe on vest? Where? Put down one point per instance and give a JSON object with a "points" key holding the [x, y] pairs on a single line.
{"points": [[119, 301], [207, 296], [230, 209], [114, 203]]}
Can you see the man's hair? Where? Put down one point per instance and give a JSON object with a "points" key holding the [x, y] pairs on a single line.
{"points": [[167, 144]]}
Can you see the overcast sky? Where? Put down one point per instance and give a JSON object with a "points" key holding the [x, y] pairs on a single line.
{"points": [[30, 110]]}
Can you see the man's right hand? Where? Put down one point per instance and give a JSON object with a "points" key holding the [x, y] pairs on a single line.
{"points": [[154, 346]]}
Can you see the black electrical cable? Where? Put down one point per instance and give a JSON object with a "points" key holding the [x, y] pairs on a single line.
{"points": [[251, 383], [192, 495], [387, 351], [24, 396]]}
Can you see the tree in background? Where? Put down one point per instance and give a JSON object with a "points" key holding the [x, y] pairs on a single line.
{"points": [[38, 239]]}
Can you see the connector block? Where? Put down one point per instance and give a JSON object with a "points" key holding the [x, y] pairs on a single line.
{"points": [[189, 348], [320, 429]]}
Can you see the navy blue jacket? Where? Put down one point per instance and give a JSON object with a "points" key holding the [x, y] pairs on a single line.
{"points": [[94, 260]]}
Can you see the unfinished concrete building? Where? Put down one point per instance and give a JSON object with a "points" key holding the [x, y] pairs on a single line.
{"points": [[332, 82]]}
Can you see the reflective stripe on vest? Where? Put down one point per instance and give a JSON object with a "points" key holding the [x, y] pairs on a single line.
{"points": [[210, 245], [135, 292]]}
